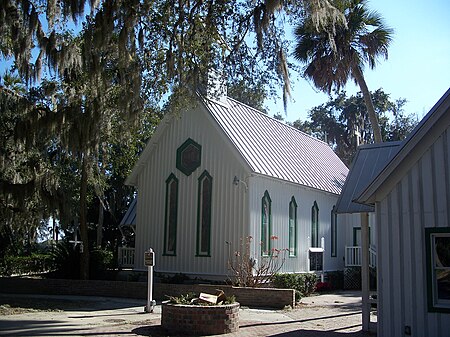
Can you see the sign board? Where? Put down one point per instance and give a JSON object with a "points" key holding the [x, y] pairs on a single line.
{"points": [[149, 259], [315, 259]]}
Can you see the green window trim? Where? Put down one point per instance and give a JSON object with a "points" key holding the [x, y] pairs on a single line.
{"points": [[171, 216], [315, 225], [204, 204], [437, 246], [357, 234], [292, 229], [334, 232], [266, 224], [189, 156]]}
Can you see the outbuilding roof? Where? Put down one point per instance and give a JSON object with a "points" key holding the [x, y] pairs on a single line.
{"points": [[272, 148], [368, 162], [418, 141]]}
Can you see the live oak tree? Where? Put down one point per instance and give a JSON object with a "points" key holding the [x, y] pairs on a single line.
{"points": [[176, 41], [72, 121], [85, 74]]}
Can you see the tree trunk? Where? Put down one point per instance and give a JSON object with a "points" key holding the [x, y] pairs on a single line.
{"points": [[84, 262], [101, 216], [101, 198], [357, 74], [365, 239]]}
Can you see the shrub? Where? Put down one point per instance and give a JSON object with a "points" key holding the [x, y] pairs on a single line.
{"points": [[287, 281], [192, 299], [66, 261], [309, 283], [100, 261], [35, 263], [178, 278], [182, 299], [303, 284]]}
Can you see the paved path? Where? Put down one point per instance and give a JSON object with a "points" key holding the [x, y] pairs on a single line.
{"points": [[322, 316]]}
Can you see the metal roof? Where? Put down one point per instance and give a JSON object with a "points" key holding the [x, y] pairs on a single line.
{"points": [[129, 219], [274, 149], [369, 161], [418, 141]]}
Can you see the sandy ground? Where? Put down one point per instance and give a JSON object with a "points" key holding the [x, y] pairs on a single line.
{"points": [[329, 315]]}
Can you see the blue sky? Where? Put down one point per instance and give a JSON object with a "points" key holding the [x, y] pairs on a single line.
{"points": [[418, 67]]}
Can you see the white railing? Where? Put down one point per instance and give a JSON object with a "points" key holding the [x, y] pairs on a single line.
{"points": [[353, 256], [126, 257]]}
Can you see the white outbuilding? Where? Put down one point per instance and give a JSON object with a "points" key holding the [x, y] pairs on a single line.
{"points": [[412, 210]]}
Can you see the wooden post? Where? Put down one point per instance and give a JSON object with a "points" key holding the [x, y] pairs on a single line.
{"points": [[365, 271]]}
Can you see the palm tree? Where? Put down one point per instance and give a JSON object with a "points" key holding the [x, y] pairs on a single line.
{"points": [[330, 62]]}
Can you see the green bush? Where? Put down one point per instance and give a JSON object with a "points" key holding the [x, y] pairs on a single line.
{"points": [[192, 299], [66, 261], [35, 263], [309, 283], [303, 284], [100, 261], [178, 278]]}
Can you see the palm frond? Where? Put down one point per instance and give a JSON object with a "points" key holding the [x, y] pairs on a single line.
{"points": [[329, 61]]}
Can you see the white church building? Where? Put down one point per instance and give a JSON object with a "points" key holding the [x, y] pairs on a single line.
{"points": [[219, 172]]}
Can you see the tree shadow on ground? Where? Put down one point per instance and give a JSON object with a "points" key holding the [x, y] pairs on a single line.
{"points": [[158, 331], [315, 333], [30, 327], [62, 303], [152, 330]]}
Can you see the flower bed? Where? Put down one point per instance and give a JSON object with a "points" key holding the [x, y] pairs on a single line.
{"points": [[188, 319]]}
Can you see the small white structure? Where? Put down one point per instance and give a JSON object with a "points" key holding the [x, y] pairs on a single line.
{"points": [[412, 207], [220, 172]]}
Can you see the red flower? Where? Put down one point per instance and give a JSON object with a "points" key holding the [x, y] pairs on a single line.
{"points": [[323, 286]]}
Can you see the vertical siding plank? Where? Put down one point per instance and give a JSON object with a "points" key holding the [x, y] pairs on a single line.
{"points": [[440, 186], [405, 271], [410, 217], [395, 267], [384, 282], [420, 258]]}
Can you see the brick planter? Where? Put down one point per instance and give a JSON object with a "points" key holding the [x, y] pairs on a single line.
{"points": [[200, 319]]}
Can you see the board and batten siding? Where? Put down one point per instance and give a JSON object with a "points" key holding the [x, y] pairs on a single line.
{"points": [[421, 199], [281, 193], [229, 201]]}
